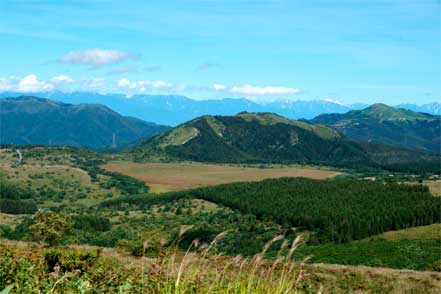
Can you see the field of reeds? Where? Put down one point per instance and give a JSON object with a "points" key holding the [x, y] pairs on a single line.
{"points": [[30, 268]]}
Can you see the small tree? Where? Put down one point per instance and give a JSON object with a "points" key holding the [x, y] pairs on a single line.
{"points": [[48, 227]]}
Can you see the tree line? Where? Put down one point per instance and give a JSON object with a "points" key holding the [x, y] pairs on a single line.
{"points": [[334, 210]]}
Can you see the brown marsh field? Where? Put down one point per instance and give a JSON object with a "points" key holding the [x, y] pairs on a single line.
{"points": [[165, 177]]}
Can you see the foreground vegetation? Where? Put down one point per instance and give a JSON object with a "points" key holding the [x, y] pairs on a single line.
{"points": [[29, 268], [81, 203]]}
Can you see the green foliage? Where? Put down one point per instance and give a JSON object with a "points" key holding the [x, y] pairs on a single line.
{"points": [[91, 223], [338, 211], [69, 260], [17, 271], [21, 206], [144, 244], [48, 227], [401, 254], [65, 271], [106, 239], [13, 192], [16, 200]]}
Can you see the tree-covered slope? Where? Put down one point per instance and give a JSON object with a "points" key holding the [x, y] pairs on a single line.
{"points": [[253, 138], [31, 120], [339, 210], [382, 124]]}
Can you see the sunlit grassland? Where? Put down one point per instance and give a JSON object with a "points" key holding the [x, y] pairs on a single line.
{"points": [[165, 177], [55, 174], [434, 186], [415, 233]]}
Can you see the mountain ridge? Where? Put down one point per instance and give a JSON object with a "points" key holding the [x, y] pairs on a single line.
{"points": [[383, 124], [33, 120], [175, 109], [251, 138]]}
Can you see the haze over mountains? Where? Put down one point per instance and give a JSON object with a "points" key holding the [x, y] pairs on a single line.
{"points": [[31, 120], [173, 110], [376, 134]]}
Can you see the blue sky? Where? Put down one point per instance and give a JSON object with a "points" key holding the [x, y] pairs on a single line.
{"points": [[349, 51]]}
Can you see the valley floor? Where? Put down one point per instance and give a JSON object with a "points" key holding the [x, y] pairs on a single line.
{"points": [[165, 177]]}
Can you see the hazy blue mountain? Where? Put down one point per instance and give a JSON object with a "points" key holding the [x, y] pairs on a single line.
{"points": [[174, 109], [383, 124], [31, 120]]}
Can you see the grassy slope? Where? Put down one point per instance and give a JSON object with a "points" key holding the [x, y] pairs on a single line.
{"points": [[55, 173], [416, 248]]}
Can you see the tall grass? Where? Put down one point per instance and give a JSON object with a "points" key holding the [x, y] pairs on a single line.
{"points": [[197, 270]]}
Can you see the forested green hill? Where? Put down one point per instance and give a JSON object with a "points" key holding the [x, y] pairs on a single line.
{"points": [[269, 138], [32, 120], [382, 124], [253, 138]]}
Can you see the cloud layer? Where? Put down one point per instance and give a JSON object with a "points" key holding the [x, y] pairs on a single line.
{"points": [[31, 83], [96, 57], [267, 90], [144, 85]]}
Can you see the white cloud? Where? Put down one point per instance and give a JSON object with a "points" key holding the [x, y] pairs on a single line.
{"points": [[333, 101], [219, 87], [62, 79], [156, 84], [96, 57], [8, 84], [267, 90], [125, 83], [143, 85], [30, 83]]}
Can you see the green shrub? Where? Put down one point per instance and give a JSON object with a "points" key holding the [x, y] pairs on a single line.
{"points": [[20, 206], [70, 260], [91, 222]]}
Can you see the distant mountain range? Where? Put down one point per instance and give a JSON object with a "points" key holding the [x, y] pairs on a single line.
{"points": [[382, 124], [270, 138], [31, 120], [372, 137], [173, 110]]}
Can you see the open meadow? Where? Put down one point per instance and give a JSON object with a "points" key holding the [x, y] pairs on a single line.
{"points": [[166, 177], [109, 220]]}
